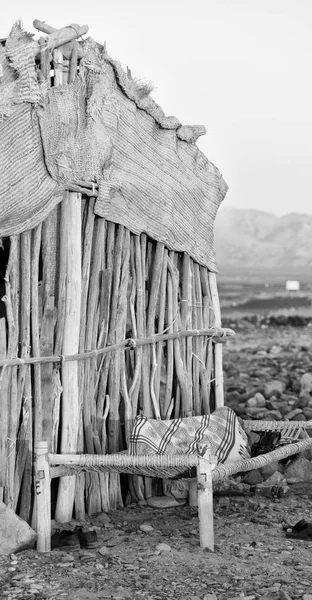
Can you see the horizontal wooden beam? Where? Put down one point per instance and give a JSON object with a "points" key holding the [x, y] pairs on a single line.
{"points": [[218, 335]]}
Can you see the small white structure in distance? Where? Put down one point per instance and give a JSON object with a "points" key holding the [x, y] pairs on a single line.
{"points": [[292, 286]]}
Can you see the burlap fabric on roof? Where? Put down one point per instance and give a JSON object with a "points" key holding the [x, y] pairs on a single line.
{"points": [[27, 191], [102, 128]]}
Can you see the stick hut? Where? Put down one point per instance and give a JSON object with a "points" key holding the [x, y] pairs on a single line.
{"points": [[109, 299]]}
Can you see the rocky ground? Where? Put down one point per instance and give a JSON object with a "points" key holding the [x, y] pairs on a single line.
{"points": [[268, 371], [154, 554]]}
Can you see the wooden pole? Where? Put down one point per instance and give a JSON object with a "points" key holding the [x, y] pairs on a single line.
{"points": [[180, 367], [4, 410], [205, 501], [12, 284], [70, 248], [43, 496], [36, 242], [219, 384], [161, 326]]}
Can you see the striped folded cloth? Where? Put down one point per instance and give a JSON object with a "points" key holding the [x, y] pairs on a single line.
{"points": [[221, 430]]}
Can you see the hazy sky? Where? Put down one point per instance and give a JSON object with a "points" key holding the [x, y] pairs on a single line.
{"points": [[242, 68]]}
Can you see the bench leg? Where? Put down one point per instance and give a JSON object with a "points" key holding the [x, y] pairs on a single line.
{"points": [[205, 502], [43, 497]]}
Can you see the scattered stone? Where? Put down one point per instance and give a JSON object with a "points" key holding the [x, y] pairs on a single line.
{"points": [[223, 501], [104, 550], [299, 417], [275, 387], [275, 350], [251, 402], [100, 519], [163, 547], [302, 401], [15, 534], [307, 597], [210, 597], [301, 488], [268, 470], [284, 595], [260, 399], [240, 408], [271, 415], [253, 477], [299, 470], [254, 411], [85, 555], [294, 413], [306, 384], [146, 527], [164, 502], [242, 597], [273, 404]]}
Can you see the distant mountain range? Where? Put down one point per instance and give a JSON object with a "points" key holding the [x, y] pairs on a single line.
{"points": [[258, 241]]}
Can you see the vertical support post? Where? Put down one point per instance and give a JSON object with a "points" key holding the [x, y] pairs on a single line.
{"points": [[71, 255], [205, 501], [43, 497], [218, 350]]}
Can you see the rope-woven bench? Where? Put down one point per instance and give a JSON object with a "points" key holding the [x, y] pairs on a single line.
{"points": [[164, 466], [49, 466]]}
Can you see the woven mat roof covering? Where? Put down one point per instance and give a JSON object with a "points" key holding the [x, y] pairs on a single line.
{"points": [[102, 128]]}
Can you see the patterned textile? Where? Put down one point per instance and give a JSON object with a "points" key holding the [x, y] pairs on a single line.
{"points": [[221, 430]]}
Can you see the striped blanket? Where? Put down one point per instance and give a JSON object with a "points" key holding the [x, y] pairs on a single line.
{"points": [[221, 430]]}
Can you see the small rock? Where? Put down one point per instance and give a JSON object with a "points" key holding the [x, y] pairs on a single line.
{"points": [[302, 401], [301, 488], [275, 350], [260, 399], [86, 555], [104, 551], [294, 413], [255, 411], [253, 477], [15, 534], [271, 415], [164, 502], [210, 597], [307, 453], [291, 399], [307, 597], [306, 384], [146, 527], [240, 408], [100, 519], [273, 405], [242, 597], [275, 387], [299, 470], [284, 595], [299, 417], [163, 547], [307, 413], [252, 402], [269, 469], [223, 501]]}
